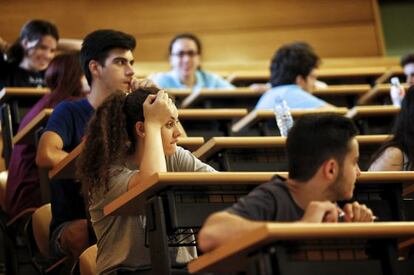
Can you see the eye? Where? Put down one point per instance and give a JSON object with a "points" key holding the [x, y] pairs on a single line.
{"points": [[169, 124]]}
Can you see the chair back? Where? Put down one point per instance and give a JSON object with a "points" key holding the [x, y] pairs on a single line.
{"points": [[87, 261], [41, 219]]}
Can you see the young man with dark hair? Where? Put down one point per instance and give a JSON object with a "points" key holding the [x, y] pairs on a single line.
{"points": [[107, 59], [292, 77], [407, 62], [323, 167]]}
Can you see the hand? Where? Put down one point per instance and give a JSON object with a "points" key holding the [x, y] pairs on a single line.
{"points": [[321, 211], [141, 83], [260, 87], [3, 45], [355, 212], [158, 109]]}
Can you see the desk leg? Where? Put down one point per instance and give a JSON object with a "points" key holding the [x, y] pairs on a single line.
{"points": [[157, 233], [387, 252], [7, 132]]}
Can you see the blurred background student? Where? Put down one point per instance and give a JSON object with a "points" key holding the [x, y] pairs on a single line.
{"points": [[66, 81], [186, 73], [23, 64]]}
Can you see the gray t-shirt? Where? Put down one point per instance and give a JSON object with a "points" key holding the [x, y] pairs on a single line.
{"points": [[121, 238], [270, 201]]}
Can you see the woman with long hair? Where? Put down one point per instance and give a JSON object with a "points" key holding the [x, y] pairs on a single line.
{"points": [[64, 78], [131, 137], [23, 64], [397, 154], [186, 73]]}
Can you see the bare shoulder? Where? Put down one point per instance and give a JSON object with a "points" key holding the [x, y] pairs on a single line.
{"points": [[390, 160], [393, 153]]}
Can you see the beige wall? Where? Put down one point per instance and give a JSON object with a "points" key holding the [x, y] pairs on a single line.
{"points": [[231, 30]]}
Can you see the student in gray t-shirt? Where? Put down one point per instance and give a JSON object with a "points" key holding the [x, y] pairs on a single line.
{"points": [[323, 166], [122, 150]]}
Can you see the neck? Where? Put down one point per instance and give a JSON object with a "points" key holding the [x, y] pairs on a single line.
{"points": [[97, 95], [305, 192], [188, 80]]}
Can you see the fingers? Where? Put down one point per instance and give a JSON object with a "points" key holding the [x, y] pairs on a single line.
{"points": [[355, 212], [318, 211], [141, 83]]}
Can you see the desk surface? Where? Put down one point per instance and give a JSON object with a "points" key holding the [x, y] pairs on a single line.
{"points": [[231, 255], [66, 168], [215, 144], [130, 202], [209, 114], [322, 73], [356, 112], [9, 93], [258, 115], [26, 135]]}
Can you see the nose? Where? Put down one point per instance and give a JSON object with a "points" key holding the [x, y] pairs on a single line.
{"points": [[129, 71], [358, 171], [177, 131]]}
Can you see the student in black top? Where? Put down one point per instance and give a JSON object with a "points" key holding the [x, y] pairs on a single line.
{"points": [[323, 166], [24, 63]]}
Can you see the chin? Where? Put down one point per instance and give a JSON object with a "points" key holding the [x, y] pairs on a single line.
{"points": [[170, 151]]}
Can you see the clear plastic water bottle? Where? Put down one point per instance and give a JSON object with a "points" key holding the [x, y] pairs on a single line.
{"points": [[283, 116], [397, 92]]}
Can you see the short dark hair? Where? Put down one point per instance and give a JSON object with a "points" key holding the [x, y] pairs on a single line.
{"points": [[316, 138], [190, 36], [33, 30], [98, 44], [290, 61], [407, 59]]}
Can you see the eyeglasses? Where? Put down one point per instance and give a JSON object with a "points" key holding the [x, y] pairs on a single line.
{"points": [[181, 54]]}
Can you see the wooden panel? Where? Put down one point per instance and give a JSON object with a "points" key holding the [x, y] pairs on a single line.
{"points": [[253, 29]]}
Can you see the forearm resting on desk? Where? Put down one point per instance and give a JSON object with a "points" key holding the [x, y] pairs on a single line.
{"points": [[221, 227], [49, 151]]}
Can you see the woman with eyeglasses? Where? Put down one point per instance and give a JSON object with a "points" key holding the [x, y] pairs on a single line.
{"points": [[24, 63], [185, 59]]}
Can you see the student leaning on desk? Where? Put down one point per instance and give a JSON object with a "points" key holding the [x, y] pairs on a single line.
{"points": [[323, 166], [131, 137]]}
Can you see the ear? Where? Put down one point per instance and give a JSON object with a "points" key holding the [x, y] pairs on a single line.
{"points": [[139, 129], [94, 67], [330, 169], [300, 81], [24, 43]]}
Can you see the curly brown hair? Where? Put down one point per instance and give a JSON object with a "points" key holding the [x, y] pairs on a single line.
{"points": [[110, 139]]}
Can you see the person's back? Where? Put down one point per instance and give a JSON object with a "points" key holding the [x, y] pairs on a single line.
{"points": [[63, 77], [292, 78]]}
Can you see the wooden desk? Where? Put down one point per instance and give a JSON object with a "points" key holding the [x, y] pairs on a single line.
{"points": [[14, 103], [258, 115], [165, 198], [209, 122], [235, 255], [379, 94], [322, 73], [356, 113], [339, 95], [66, 168], [221, 94], [10, 93], [219, 151], [27, 134]]}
